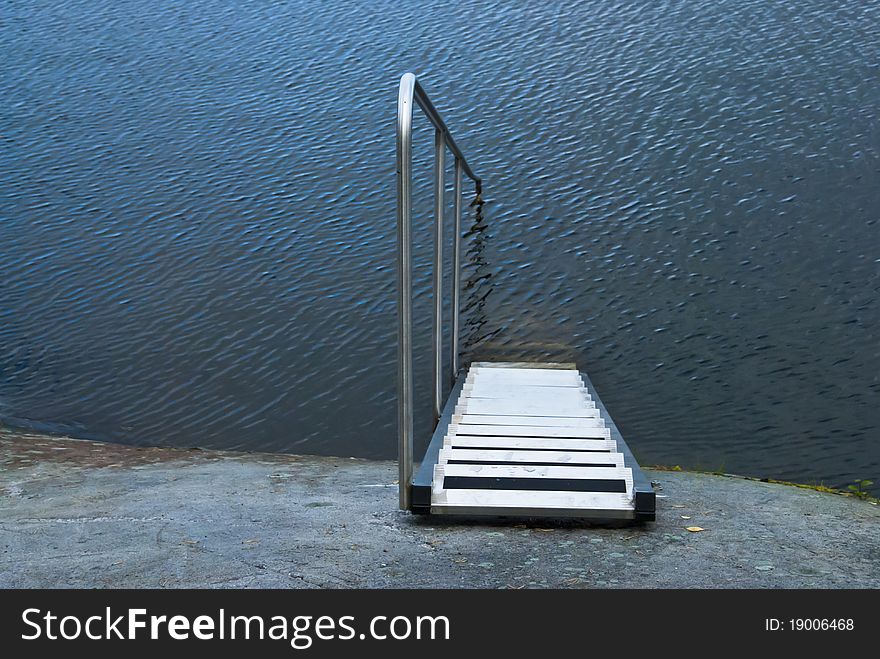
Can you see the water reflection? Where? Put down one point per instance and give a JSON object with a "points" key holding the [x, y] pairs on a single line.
{"points": [[476, 282]]}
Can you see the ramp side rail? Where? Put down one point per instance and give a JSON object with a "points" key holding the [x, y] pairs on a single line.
{"points": [[410, 93]]}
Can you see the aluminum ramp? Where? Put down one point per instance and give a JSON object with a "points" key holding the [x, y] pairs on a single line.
{"points": [[529, 440], [512, 438]]}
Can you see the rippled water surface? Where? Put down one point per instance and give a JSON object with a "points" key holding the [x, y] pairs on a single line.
{"points": [[683, 197]]}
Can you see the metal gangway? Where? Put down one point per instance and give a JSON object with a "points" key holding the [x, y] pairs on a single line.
{"points": [[512, 438]]}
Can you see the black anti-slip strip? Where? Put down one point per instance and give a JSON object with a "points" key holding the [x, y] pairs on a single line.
{"points": [[561, 450], [460, 433], [524, 421], [511, 463], [537, 484]]}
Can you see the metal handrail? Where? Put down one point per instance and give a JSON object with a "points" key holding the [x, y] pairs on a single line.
{"points": [[410, 90]]}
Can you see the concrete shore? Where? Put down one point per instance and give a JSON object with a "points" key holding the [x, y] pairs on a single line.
{"points": [[83, 514]]}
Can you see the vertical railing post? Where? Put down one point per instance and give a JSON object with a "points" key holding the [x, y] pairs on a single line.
{"points": [[456, 272], [404, 290], [439, 167]]}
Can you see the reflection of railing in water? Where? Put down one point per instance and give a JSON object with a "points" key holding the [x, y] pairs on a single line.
{"points": [[477, 287]]}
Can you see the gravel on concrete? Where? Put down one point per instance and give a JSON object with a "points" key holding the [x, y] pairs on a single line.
{"points": [[85, 514]]}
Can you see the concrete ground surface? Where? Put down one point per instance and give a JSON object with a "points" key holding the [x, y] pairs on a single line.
{"points": [[83, 514]]}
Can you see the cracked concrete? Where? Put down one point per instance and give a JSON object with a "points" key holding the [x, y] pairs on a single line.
{"points": [[83, 514]]}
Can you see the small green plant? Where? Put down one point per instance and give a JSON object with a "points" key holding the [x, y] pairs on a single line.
{"points": [[860, 488]]}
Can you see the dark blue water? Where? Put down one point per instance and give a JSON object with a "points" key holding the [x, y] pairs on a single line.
{"points": [[683, 197]]}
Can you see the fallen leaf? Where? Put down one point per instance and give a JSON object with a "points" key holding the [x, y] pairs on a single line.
{"points": [[695, 529], [678, 505], [685, 516], [252, 541]]}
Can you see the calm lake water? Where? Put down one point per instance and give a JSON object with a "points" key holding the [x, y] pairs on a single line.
{"points": [[198, 219]]}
